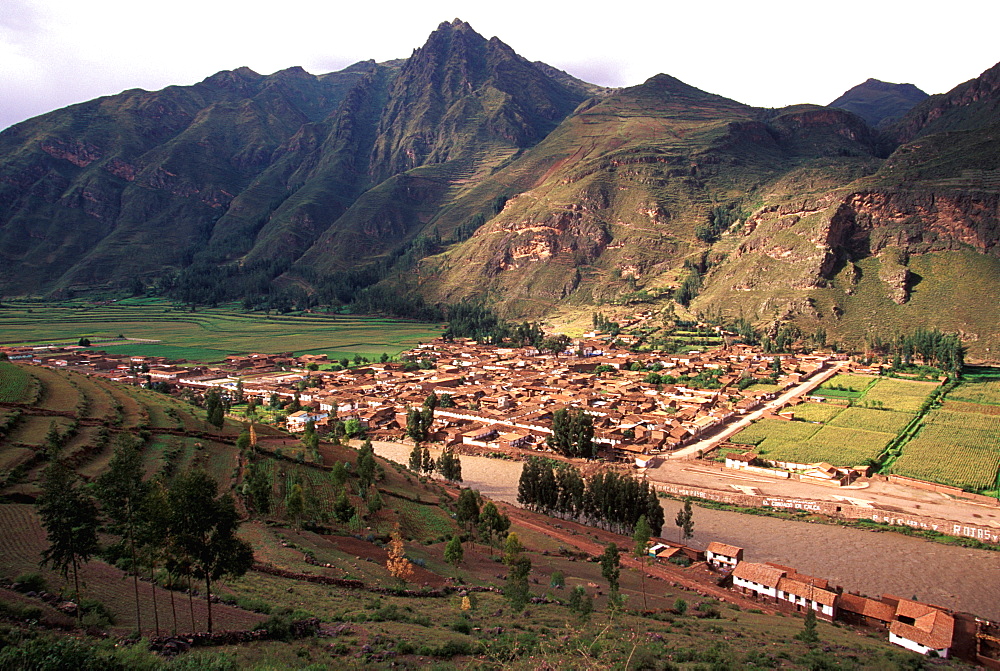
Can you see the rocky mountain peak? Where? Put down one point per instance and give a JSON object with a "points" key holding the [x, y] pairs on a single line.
{"points": [[878, 102]]}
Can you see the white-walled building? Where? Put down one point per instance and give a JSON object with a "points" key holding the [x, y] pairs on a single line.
{"points": [[722, 555]]}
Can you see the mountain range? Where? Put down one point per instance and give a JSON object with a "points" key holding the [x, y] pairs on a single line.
{"points": [[466, 171]]}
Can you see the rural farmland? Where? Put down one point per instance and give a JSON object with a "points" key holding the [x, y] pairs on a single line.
{"points": [[210, 334]]}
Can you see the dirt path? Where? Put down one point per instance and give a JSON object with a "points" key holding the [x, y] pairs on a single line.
{"points": [[582, 541]]}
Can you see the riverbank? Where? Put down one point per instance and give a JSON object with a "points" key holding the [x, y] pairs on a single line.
{"points": [[958, 578]]}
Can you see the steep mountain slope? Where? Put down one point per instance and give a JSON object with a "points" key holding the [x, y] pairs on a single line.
{"points": [[461, 106], [256, 170], [630, 187], [913, 244], [879, 102], [129, 184]]}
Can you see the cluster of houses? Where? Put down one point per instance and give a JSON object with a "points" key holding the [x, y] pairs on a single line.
{"points": [[911, 624], [500, 398]]}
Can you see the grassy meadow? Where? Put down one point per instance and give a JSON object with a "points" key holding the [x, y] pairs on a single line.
{"points": [[209, 334]]}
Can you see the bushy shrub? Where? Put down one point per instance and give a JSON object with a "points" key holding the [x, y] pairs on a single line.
{"points": [[30, 582]]}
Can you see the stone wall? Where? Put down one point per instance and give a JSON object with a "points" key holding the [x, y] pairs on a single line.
{"points": [[950, 527]]}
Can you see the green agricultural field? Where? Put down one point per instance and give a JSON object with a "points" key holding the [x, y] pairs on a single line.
{"points": [[846, 382], [776, 431], [883, 421], [900, 395], [14, 382], [984, 390], [834, 445], [963, 458], [817, 412], [959, 443], [208, 334]]}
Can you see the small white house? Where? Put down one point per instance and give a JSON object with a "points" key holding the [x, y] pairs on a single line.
{"points": [[758, 579], [722, 555], [297, 420], [922, 628]]}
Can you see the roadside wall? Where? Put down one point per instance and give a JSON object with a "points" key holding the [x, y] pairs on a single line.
{"points": [[981, 533], [943, 489]]}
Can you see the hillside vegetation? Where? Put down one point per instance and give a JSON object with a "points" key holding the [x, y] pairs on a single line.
{"points": [[314, 558]]}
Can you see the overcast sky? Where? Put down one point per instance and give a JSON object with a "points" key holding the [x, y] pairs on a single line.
{"points": [[766, 53]]}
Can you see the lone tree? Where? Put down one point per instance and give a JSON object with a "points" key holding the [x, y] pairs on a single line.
{"points": [[453, 552], [808, 633], [516, 588], [611, 570], [640, 549], [69, 516], [215, 411], [684, 521], [416, 458], [450, 466], [365, 466], [204, 527], [467, 509], [122, 492], [397, 564], [492, 523]]}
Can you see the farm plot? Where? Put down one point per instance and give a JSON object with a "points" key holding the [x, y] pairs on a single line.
{"points": [[899, 395], [775, 432], [847, 382], [883, 421], [834, 445], [14, 383], [817, 412], [32, 429], [100, 405], [212, 334], [985, 390], [12, 457], [57, 393], [973, 408], [967, 421], [966, 459]]}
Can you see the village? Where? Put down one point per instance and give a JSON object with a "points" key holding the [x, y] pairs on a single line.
{"points": [[493, 397], [499, 400]]}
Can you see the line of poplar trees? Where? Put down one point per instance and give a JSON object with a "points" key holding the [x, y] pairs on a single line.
{"points": [[185, 527], [607, 499]]}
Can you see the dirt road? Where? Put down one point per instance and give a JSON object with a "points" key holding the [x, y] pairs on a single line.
{"points": [[703, 446]]}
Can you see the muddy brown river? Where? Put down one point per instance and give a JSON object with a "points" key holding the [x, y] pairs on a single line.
{"points": [[862, 561]]}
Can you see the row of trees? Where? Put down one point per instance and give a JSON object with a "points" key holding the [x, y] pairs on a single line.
{"points": [[609, 500], [930, 347], [185, 528], [572, 434]]}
